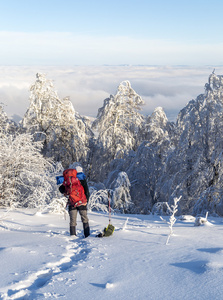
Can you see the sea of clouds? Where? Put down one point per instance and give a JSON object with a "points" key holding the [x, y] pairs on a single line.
{"points": [[170, 87]]}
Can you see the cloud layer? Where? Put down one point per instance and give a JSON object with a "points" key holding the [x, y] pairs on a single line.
{"points": [[88, 86], [60, 48]]}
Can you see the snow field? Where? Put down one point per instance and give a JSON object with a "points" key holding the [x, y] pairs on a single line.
{"points": [[39, 260]]}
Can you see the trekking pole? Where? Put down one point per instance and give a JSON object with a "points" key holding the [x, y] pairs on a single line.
{"points": [[109, 207]]}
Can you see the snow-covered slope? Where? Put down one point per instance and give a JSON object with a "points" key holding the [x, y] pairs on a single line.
{"points": [[40, 261]]}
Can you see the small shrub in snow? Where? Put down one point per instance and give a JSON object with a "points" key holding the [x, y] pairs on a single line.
{"points": [[172, 220], [57, 206], [201, 220]]}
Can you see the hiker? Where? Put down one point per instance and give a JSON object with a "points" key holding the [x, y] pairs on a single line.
{"points": [[75, 186]]}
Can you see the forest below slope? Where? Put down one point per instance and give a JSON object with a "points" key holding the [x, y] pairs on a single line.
{"points": [[145, 161]]}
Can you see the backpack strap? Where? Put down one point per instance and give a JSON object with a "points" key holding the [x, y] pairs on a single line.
{"points": [[70, 184]]}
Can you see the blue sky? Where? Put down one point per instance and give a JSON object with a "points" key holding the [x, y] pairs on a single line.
{"points": [[98, 32], [77, 43]]}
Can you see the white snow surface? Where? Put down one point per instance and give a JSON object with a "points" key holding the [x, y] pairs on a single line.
{"points": [[39, 260]]}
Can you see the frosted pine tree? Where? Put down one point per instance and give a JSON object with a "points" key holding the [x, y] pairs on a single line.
{"points": [[121, 197], [193, 168], [145, 168], [3, 121], [55, 121], [6, 125], [158, 128], [118, 124]]}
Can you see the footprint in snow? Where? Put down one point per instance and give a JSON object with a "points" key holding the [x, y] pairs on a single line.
{"points": [[76, 254]]}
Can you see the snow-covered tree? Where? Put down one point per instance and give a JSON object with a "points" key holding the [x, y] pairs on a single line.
{"points": [[64, 132], [24, 173], [158, 129], [121, 198], [146, 166], [118, 123], [6, 125], [193, 167]]}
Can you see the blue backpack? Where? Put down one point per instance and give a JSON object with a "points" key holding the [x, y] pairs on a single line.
{"points": [[60, 179]]}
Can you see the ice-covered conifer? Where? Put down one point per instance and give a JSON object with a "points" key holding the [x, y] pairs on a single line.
{"points": [[146, 166], [118, 123], [6, 126], [121, 198], [158, 128], [64, 132], [193, 168]]}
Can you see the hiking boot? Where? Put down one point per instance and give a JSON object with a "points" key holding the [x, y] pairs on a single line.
{"points": [[72, 230], [86, 229]]}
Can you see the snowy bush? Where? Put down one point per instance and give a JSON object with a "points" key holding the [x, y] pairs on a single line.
{"points": [[25, 175], [98, 201], [202, 221], [56, 206]]}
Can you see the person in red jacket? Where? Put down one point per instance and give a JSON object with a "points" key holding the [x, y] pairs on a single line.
{"points": [[78, 193]]}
